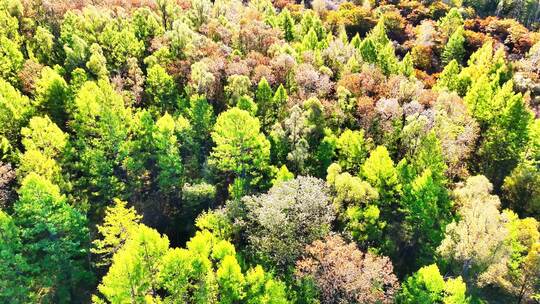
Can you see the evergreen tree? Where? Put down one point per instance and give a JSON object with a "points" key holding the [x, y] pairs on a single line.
{"points": [[241, 151], [287, 25], [454, 48], [266, 110]]}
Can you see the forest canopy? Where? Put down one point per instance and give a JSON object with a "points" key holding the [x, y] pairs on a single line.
{"points": [[270, 151]]}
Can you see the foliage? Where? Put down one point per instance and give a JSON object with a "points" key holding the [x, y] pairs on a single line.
{"points": [[427, 285], [275, 224], [241, 151], [216, 121], [345, 274]]}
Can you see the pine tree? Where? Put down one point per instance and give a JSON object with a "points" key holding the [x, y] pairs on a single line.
{"points": [[406, 66], [449, 78], [280, 100], [287, 25], [266, 110], [356, 41], [454, 49], [368, 50]]}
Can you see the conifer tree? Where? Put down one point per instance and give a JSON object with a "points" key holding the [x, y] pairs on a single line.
{"points": [[287, 25], [454, 48]]}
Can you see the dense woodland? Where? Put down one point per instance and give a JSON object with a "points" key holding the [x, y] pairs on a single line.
{"points": [[228, 151]]}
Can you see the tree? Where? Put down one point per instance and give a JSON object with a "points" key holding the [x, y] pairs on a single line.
{"points": [[506, 136], [451, 23], [280, 100], [520, 188], [161, 89], [406, 66], [287, 25], [208, 269], [54, 240], [276, 226], [134, 272], [427, 211], [202, 118], [355, 205], [15, 111], [45, 144], [454, 48], [345, 274], [100, 124], [119, 43], [521, 191], [476, 241], [449, 78], [11, 60], [517, 273], [352, 150], [118, 226], [379, 171], [427, 286], [457, 132], [7, 185], [241, 151], [168, 159], [52, 95], [237, 86], [97, 63], [14, 270], [266, 109]]}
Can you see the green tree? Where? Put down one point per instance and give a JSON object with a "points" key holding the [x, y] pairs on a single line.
{"points": [[202, 119], [97, 63], [101, 125], [427, 286], [355, 202], [406, 66], [41, 46], [154, 151], [168, 159], [454, 48], [11, 60], [450, 23], [427, 210], [506, 136], [161, 89], [280, 100], [134, 273], [52, 95], [449, 78], [266, 110], [380, 172], [15, 111], [44, 145], [352, 150], [241, 151], [119, 43], [15, 275], [54, 239], [287, 25], [118, 225]]}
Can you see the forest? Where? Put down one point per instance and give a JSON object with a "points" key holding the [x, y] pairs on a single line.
{"points": [[270, 151]]}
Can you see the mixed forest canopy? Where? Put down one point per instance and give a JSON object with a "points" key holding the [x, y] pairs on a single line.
{"points": [[229, 151]]}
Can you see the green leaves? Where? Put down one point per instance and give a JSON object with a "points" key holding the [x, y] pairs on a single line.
{"points": [[133, 275], [428, 286], [454, 48], [54, 240], [206, 270], [241, 150]]}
